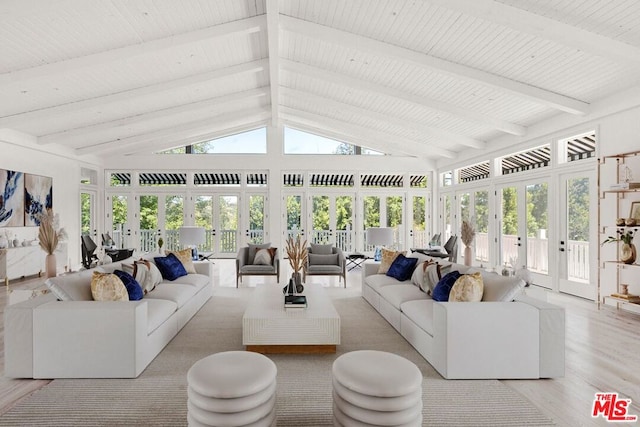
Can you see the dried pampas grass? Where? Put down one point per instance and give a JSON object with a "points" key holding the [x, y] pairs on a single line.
{"points": [[49, 233], [297, 253], [467, 233]]}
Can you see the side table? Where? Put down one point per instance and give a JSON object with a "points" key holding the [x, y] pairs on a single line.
{"points": [[356, 260]]}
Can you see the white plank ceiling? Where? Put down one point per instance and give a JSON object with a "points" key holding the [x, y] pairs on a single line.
{"points": [[421, 78]]}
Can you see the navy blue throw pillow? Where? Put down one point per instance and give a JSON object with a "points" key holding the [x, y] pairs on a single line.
{"points": [[133, 287], [402, 268], [170, 267], [442, 289]]}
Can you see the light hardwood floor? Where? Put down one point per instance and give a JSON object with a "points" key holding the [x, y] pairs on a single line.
{"points": [[602, 354]]}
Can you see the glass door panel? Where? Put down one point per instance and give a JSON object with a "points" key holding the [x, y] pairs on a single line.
{"points": [[447, 220], [321, 232], [481, 210], [575, 231], [173, 220], [203, 211], [510, 241], [87, 215], [537, 199], [256, 232], [370, 217], [226, 239], [418, 234], [464, 204], [395, 212], [295, 216], [120, 229], [344, 223], [148, 224]]}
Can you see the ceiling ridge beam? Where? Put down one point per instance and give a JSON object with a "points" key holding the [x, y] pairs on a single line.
{"points": [[219, 133], [418, 59], [392, 141], [186, 130], [126, 95], [403, 96], [84, 132], [273, 46], [546, 28], [387, 118], [229, 29]]}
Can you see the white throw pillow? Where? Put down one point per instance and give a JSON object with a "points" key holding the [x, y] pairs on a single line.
{"points": [[263, 257]]}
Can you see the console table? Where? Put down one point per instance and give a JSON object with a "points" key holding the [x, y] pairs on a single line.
{"points": [[23, 261]]}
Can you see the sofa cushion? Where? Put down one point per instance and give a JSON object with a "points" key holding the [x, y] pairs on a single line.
{"points": [[328, 259], [324, 269], [108, 287], [257, 269], [72, 287], [421, 313], [186, 258], [388, 256], [402, 267], [170, 267], [399, 294], [158, 311], [501, 288], [378, 281], [443, 288], [134, 290], [198, 281], [321, 249], [468, 288], [175, 292]]}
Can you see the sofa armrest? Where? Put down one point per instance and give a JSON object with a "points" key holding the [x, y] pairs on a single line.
{"points": [[203, 267], [89, 339], [486, 340], [342, 260], [242, 257]]}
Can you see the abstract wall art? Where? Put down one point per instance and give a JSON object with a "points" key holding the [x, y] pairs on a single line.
{"points": [[11, 198], [38, 197]]}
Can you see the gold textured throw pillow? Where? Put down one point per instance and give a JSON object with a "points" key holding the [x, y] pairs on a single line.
{"points": [[388, 256], [185, 258], [468, 288], [108, 287]]}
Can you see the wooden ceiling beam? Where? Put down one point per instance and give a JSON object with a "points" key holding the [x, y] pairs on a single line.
{"points": [[330, 104], [405, 97], [418, 59], [85, 134], [273, 43], [184, 131], [222, 31], [545, 28], [16, 120]]}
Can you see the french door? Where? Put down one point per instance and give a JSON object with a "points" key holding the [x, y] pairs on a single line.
{"points": [[577, 190], [219, 214], [119, 218], [380, 210], [332, 220], [254, 219], [420, 221], [88, 215], [523, 228]]}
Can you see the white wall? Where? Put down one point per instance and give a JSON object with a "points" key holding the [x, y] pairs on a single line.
{"points": [[20, 152]]}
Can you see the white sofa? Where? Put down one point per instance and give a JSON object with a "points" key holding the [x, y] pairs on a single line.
{"points": [[473, 340], [47, 338]]}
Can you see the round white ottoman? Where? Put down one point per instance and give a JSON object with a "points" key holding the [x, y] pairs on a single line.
{"points": [[375, 388], [232, 389]]}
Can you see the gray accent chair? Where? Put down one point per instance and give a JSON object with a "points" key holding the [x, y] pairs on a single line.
{"points": [[246, 267], [325, 260]]}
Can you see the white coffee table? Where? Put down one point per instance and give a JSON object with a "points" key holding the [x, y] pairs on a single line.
{"points": [[269, 327]]}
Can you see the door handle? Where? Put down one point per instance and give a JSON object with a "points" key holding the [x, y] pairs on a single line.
{"points": [[561, 249]]}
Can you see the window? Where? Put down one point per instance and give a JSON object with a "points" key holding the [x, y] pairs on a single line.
{"points": [[299, 142], [119, 179], [534, 158], [251, 142], [447, 179], [578, 147], [474, 172]]}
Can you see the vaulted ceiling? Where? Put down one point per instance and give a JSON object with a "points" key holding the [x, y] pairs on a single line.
{"points": [[421, 78]]}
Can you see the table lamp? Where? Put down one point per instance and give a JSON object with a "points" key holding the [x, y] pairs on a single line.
{"points": [[191, 237], [379, 236]]}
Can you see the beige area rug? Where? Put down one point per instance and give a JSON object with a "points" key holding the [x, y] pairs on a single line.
{"points": [[158, 397]]}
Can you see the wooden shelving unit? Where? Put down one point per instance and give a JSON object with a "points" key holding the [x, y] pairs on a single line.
{"points": [[607, 226]]}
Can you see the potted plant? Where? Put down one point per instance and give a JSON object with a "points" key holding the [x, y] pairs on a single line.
{"points": [[628, 250], [297, 254], [467, 235]]}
